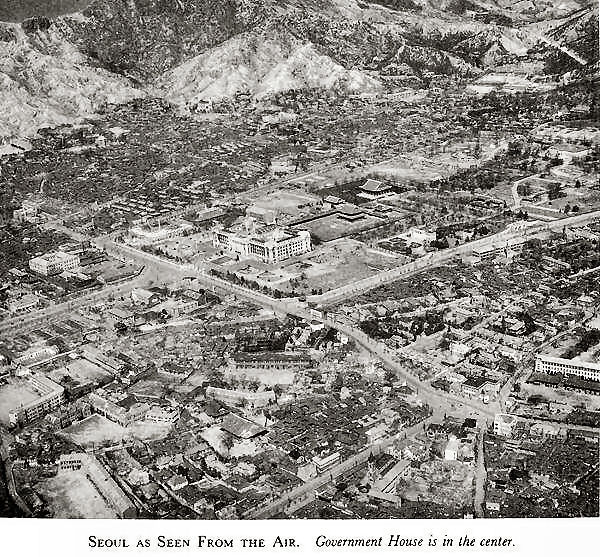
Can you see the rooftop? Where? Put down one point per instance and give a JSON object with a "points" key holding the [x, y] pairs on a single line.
{"points": [[241, 427], [563, 361], [269, 357], [476, 382], [374, 186]]}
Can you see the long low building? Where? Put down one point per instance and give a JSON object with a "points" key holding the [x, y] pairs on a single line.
{"points": [[123, 414], [232, 397], [247, 361], [388, 482], [268, 368], [578, 368], [96, 356]]}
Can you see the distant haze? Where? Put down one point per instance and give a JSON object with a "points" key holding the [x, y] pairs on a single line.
{"points": [[19, 10]]}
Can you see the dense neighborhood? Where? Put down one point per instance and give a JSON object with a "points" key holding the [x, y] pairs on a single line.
{"points": [[312, 303]]}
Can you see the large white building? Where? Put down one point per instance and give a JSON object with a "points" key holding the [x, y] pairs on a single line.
{"points": [[54, 263], [578, 368], [326, 463], [271, 244], [42, 397]]}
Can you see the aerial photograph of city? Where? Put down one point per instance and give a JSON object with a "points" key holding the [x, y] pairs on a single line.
{"points": [[299, 259]]}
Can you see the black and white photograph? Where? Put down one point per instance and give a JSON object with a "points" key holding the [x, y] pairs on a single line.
{"points": [[320, 260]]}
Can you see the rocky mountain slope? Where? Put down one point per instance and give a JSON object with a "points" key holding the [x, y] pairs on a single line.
{"points": [[578, 33], [45, 80], [53, 69], [260, 64]]}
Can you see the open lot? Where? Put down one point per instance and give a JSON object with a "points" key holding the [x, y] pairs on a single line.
{"points": [[426, 344], [72, 495], [95, 431], [331, 227], [420, 169], [442, 482], [286, 200], [79, 372], [338, 264]]}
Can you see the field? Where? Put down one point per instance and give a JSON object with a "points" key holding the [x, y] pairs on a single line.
{"points": [[12, 395], [96, 431], [502, 192], [427, 344], [80, 372], [147, 431], [72, 495], [417, 168], [151, 388], [333, 226], [405, 171], [285, 200], [338, 264], [194, 249]]}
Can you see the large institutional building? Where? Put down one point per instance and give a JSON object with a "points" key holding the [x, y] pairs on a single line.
{"points": [[44, 396], [54, 263], [552, 366], [269, 244]]}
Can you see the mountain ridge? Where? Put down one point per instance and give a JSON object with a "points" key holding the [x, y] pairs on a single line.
{"points": [[112, 51]]}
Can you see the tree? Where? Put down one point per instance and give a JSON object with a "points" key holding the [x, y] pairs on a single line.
{"points": [[228, 442]]}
